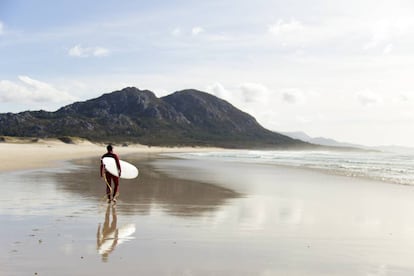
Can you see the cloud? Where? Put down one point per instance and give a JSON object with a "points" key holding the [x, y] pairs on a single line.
{"points": [[293, 96], [31, 91], [380, 32], [384, 31], [79, 51], [176, 32], [295, 33], [100, 52], [1, 28], [197, 30], [254, 92], [388, 49], [343, 32], [243, 95], [302, 119], [282, 28], [218, 90], [367, 98], [194, 31], [401, 98]]}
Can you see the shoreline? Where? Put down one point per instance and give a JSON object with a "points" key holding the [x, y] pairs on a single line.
{"points": [[24, 155]]}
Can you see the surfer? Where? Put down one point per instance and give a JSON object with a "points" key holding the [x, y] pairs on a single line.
{"points": [[109, 178]]}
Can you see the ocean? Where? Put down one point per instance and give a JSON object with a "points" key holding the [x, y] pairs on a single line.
{"points": [[388, 167]]}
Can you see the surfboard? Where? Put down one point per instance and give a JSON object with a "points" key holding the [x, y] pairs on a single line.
{"points": [[128, 171]]}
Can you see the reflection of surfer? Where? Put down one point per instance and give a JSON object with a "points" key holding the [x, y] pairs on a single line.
{"points": [[109, 178], [107, 239]]}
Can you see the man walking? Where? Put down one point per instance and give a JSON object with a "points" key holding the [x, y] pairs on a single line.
{"points": [[108, 177]]}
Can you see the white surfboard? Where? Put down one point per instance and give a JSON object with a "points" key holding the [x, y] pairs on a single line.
{"points": [[128, 171]]}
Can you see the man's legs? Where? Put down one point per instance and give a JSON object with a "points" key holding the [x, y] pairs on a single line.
{"points": [[116, 186], [108, 178]]}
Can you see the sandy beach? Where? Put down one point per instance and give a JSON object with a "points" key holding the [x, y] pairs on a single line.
{"points": [[20, 155], [195, 217]]}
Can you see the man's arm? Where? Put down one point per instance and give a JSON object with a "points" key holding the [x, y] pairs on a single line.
{"points": [[101, 168]]}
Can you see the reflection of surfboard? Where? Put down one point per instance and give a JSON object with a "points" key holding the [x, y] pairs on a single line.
{"points": [[117, 237], [128, 171]]}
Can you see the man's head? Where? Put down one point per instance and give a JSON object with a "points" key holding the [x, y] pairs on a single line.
{"points": [[109, 148]]}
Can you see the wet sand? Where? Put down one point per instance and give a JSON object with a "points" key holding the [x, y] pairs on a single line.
{"points": [[192, 217]]}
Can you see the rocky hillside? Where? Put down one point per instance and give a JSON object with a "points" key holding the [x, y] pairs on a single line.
{"points": [[187, 117]]}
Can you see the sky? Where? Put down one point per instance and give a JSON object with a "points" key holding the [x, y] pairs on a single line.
{"points": [[330, 68]]}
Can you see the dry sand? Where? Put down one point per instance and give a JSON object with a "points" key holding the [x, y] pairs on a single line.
{"points": [[20, 154]]}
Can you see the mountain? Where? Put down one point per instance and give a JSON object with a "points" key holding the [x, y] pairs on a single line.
{"points": [[187, 117], [300, 135], [321, 140], [328, 142]]}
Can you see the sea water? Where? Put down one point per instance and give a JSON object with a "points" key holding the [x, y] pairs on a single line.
{"points": [[389, 167]]}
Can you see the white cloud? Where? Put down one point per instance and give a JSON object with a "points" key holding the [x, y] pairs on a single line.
{"points": [[380, 33], [401, 98], [343, 32], [384, 31], [31, 91], [302, 119], [282, 28], [100, 52], [388, 49], [245, 96], [1, 28], [367, 98], [176, 32], [404, 98], [295, 33], [79, 51], [293, 96], [197, 30], [254, 92], [76, 51], [218, 90]]}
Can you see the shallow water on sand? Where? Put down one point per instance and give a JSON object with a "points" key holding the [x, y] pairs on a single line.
{"points": [[195, 217]]}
